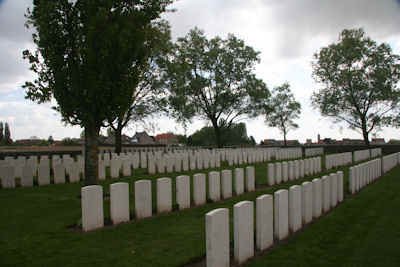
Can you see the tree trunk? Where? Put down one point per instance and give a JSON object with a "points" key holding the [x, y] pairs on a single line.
{"points": [[284, 138], [91, 154], [217, 131], [364, 131], [118, 140]]}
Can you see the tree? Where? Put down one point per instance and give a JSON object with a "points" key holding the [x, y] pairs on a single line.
{"points": [[213, 80], [1, 132], [147, 94], [359, 82], [282, 110], [88, 57], [50, 140], [7, 134], [236, 134]]}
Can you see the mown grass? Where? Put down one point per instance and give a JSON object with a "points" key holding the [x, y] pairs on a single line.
{"points": [[34, 229], [362, 231]]}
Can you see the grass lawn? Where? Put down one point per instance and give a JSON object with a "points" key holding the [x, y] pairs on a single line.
{"points": [[362, 231], [34, 230]]}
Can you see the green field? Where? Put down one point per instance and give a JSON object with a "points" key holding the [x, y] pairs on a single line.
{"points": [[38, 228]]}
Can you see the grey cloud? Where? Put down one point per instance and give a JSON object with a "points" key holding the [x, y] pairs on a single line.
{"points": [[288, 24], [12, 20], [14, 38]]}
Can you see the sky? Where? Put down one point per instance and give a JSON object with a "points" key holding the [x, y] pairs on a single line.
{"points": [[286, 32]]}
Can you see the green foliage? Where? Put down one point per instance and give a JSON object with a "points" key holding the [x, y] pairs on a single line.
{"points": [[213, 79], [1, 132], [182, 139], [89, 56], [69, 142], [236, 134], [50, 140], [359, 81], [7, 135], [148, 95], [282, 110]]}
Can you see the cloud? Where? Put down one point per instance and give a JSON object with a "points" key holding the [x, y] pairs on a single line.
{"points": [[28, 119]]}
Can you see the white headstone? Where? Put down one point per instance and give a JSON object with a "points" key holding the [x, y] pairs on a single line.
{"points": [[264, 222], [226, 183], [317, 197], [278, 172], [164, 195], [7, 175], [326, 194], [44, 174], [217, 238], [126, 168], [115, 165], [183, 191], [285, 173], [59, 173], [27, 176], [250, 179], [102, 170], [295, 212], [281, 214], [73, 173], [92, 207], [334, 189], [340, 186], [271, 172], [239, 181], [119, 202], [291, 170], [199, 189], [143, 203], [214, 186], [307, 202], [243, 229]]}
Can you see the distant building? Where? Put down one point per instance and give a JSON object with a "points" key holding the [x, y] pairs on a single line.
{"points": [[348, 141], [142, 138], [29, 142], [167, 139], [378, 141]]}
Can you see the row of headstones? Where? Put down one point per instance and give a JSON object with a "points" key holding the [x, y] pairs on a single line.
{"points": [[288, 153], [42, 172], [288, 171], [390, 161], [168, 163], [220, 185], [364, 174], [376, 152], [159, 162], [34, 162], [360, 155], [337, 160], [317, 151], [276, 217]]}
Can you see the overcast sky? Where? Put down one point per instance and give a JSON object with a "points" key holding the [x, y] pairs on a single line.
{"points": [[286, 32]]}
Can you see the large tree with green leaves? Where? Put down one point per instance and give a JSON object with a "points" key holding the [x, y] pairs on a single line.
{"points": [[148, 93], [88, 57], [213, 79], [359, 81], [234, 135], [282, 109]]}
